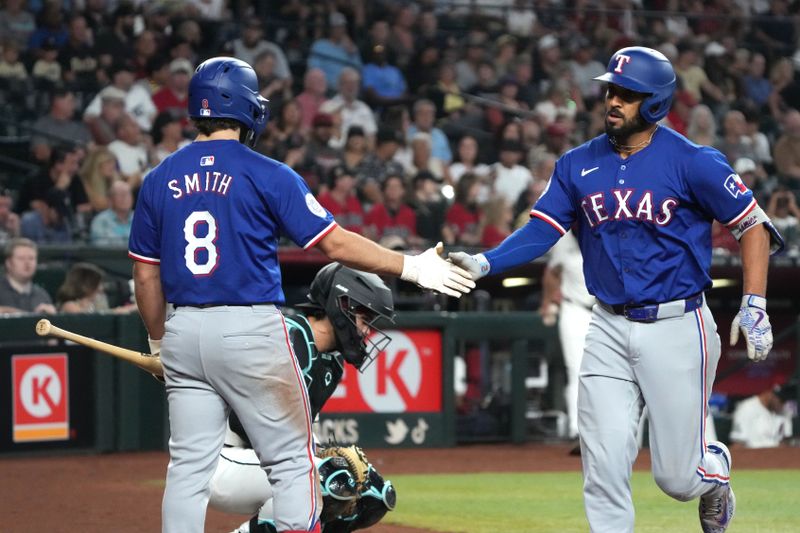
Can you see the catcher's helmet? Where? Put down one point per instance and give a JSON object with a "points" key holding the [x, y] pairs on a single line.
{"points": [[647, 71], [225, 87], [340, 292]]}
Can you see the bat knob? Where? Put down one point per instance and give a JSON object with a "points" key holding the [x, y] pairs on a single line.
{"points": [[43, 327]]}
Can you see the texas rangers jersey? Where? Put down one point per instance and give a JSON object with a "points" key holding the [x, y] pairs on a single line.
{"points": [[322, 371], [211, 215], [644, 223]]}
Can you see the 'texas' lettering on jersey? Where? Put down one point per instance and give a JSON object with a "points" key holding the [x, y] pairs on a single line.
{"points": [[627, 204], [208, 181]]}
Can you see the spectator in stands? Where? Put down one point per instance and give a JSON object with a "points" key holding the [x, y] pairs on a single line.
{"points": [[50, 224], [755, 137], [83, 291], [112, 106], [270, 86], [402, 40], [512, 106], [584, 68], [98, 171], [112, 226], [58, 126], [775, 31], [422, 158], [355, 150], [145, 48], [78, 57], [16, 24], [467, 68], [734, 143], [138, 102], [342, 202], [60, 173], [680, 114], [378, 164], [97, 16], [785, 215], [115, 42], [756, 178], [392, 218], [467, 160], [505, 51], [787, 150], [49, 27], [496, 223], [18, 293], [702, 126], [12, 70], [694, 79], [46, 71], [763, 420], [757, 87], [351, 110], [9, 220], [315, 88], [167, 136], [464, 216], [559, 101], [337, 52], [424, 68], [252, 44], [509, 177], [383, 83], [174, 97], [430, 208], [283, 140], [424, 116], [486, 86], [319, 157], [130, 150], [446, 94], [550, 66]]}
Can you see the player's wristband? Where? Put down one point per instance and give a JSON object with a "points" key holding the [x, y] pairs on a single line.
{"points": [[754, 300]]}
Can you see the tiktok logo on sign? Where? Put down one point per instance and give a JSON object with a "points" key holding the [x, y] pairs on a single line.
{"points": [[41, 394], [390, 383]]}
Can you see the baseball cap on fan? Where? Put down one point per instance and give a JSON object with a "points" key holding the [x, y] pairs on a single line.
{"points": [[743, 165], [337, 19], [181, 64]]}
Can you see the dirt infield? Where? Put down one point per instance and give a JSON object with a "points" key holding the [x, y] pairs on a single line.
{"points": [[122, 492]]}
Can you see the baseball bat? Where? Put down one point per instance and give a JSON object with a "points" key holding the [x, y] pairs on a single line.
{"points": [[146, 362]]}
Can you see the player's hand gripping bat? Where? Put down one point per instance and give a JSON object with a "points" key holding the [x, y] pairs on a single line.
{"points": [[147, 362]]}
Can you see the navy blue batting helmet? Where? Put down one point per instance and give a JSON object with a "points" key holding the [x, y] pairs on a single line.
{"points": [[225, 87], [643, 70]]}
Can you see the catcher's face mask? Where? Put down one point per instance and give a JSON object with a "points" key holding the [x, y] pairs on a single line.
{"points": [[372, 340], [384, 493]]}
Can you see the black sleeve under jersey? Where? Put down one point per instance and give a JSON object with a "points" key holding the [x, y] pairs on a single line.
{"points": [[322, 371]]}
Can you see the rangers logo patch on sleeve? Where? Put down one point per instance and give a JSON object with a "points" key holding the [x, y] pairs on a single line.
{"points": [[735, 185], [314, 206]]}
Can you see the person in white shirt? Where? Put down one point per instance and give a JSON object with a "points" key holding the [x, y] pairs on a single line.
{"points": [[564, 295], [138, 102], [763, 420], [510, 178], [351, 110], [130, 151]]}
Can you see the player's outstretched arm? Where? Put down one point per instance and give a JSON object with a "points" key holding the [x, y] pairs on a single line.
{"points": [[427, 270], [752, 319]]}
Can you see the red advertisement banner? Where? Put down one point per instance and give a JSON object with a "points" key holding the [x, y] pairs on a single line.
{"points": [[40, 385]]}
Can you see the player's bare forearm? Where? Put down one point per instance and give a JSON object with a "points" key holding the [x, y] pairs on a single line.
{"points": [[150, 297], [355, 251], [755, 260]]}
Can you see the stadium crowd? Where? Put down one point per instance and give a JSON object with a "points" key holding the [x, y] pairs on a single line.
{"points": [[412, 121]]}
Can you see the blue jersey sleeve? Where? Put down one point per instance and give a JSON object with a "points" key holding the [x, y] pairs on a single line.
{"points": [[555, 206], [144, 243], [297, 211], [717, 188]]}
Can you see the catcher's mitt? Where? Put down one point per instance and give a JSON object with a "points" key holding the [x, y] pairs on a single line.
{"points": [[343, 472]]}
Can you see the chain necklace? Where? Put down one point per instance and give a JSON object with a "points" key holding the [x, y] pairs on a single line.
{"points": [[631, 149]]}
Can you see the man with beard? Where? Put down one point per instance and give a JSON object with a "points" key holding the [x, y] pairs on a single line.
{"points": [[641, 199]]}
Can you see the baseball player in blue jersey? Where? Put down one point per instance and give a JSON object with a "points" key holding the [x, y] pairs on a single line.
{"points": [[205, 237], [643, 198]]}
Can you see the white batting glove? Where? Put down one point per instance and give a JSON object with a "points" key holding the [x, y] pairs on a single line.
{"points": [[155, 346], [430, 271], [753, 321], [477, 265]]}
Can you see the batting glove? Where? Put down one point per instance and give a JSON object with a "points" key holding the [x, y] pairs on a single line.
{"points": [[430, 271], [477, 265], [753, 321], [155, 346]]}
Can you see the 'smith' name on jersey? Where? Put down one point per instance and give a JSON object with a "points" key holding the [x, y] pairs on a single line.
{"points": [[627, 204], [207, 181]]}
